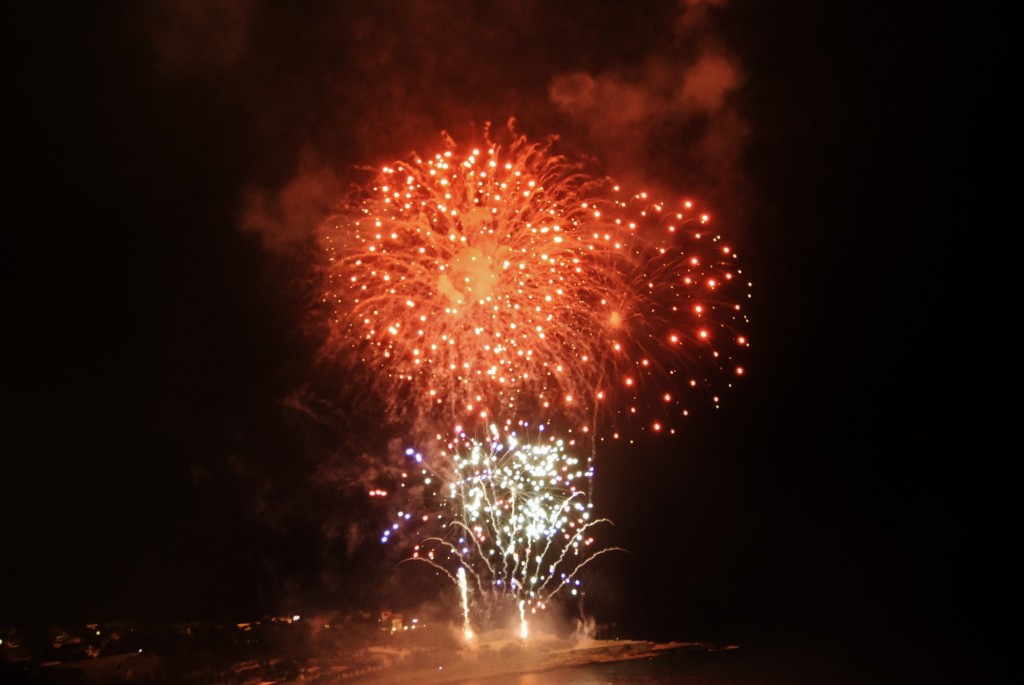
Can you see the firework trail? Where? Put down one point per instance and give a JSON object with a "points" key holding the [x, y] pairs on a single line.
{"points": [[467, 631], [503, 283]]}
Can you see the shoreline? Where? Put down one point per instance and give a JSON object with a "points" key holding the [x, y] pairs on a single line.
{"points": [[527, 660]]}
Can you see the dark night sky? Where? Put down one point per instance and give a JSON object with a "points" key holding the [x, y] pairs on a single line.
{"points": [[169, 160]]}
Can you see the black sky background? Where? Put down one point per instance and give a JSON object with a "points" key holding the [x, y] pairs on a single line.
{"points": [[853, 490]]}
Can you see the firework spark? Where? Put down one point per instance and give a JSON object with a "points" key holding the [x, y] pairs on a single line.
{"points": [[513, 517], [500, 283]]}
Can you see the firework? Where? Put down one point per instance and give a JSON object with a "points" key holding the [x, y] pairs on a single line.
{"points": [[502, 282], [511, 519], [491, 286]]}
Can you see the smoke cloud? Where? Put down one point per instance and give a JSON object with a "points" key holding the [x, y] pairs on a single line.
{"points": [[293, 213], [199, 39], [649, 94], [670, 120]]}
